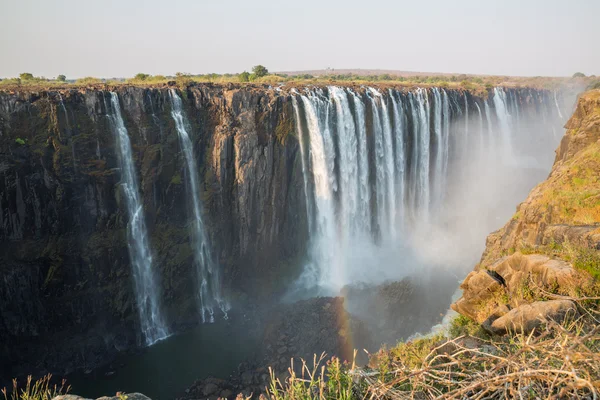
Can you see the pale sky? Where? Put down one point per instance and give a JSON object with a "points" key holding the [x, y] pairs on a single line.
{"points": [[119, 38]]}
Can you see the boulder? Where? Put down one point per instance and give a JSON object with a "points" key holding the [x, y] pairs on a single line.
{"points": [[209, 389], [485, 290], [129, 396], [528, 317], [478, 287]]}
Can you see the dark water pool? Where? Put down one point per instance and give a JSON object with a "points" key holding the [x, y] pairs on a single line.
{"points": [[165, 370]]}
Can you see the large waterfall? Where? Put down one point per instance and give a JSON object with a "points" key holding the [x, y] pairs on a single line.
{"points": [[209, 290], [147, 290], [388, 171]]}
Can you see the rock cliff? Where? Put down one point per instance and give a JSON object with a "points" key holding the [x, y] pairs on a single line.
{"points": [[63, 249], [550, 249], [65, 279]]}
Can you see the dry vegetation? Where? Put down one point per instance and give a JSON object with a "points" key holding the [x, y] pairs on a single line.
{"points": [[471, 82], [557, 362], [41, 389]]}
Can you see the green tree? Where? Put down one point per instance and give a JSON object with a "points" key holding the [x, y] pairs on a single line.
{"points": [[259, 71], [141, 76], [26, 76], [61, 78], [578, 75], [244, 76]]}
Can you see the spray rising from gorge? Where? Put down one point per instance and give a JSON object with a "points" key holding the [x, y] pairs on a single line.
{"points": [[386, 171]]}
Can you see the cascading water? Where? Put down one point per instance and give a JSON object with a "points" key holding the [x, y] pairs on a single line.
{"points": [[69, 131], [376, 169], [209, 285], [147, 290], [500, 104]]}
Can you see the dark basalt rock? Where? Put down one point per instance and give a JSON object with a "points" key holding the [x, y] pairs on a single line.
{"points": [[65, 280]]}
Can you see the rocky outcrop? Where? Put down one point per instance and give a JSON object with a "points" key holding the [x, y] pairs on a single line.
{"points": [[510, 291], [505, 284], [565, 207], [123, 396], [528, 317]]}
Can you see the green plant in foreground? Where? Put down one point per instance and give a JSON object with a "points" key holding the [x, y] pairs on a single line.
{"points": [[20, 141], [323, 381], [41, 389]]}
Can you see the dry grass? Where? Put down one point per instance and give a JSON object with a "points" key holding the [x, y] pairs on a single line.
{"points": [[557, 362], [41, 389], [478, 84], [573, 194]]}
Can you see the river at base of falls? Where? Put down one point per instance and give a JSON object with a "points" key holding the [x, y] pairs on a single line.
{"points": [[164, 370]]}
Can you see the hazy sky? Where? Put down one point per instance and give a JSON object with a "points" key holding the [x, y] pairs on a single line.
{"points": [[118, 38]]}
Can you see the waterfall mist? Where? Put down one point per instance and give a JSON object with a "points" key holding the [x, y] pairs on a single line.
{"points": [[407, 184]]}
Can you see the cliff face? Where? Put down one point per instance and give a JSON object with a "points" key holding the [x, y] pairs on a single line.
{"points": [[63, 246], [565, 207], [549, 253], [65, 276]]}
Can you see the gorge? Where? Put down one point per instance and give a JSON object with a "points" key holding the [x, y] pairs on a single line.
{"points": [[131, 213]]}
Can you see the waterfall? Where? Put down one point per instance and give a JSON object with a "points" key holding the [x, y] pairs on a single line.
{"points": [[209, 290], [348, 161], [400, 161], [501, 106], [480, 126], [384, 165], [376, 173], [69, 131], [445, 140], [364, 207], [466, 120], [423, 139], [491, 145], [556, 104], [147, 290], [438, 158]]}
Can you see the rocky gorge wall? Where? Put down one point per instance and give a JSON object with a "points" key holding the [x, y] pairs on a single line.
{"points": [[548, 255], [64, 261], [64, 267]]}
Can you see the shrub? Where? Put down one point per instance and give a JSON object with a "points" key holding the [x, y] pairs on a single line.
{"points": [[578, 75], [244, 76], [141, 76], [20, 141], [183, 80], [26, 76]]}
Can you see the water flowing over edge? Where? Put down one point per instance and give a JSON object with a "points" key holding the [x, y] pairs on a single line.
{"points": [[147, 291], [209, 285], [376, 165]]}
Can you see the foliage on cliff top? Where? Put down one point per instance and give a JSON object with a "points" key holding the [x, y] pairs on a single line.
{"points": [[477, 83]]}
